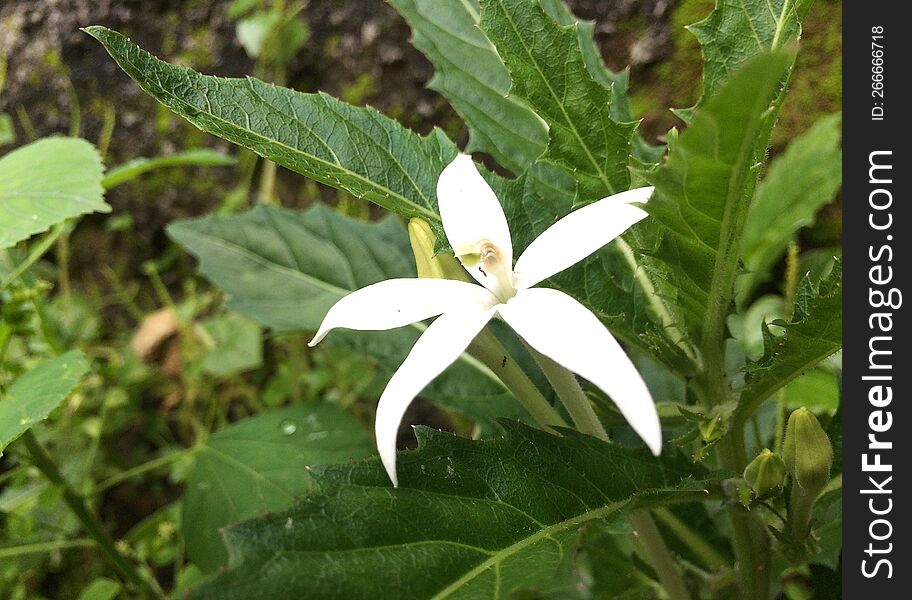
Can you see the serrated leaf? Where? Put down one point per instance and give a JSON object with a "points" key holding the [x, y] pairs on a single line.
{"points": [[702, 194], [354, 149], [471, 75], [202, 157], [33, 395], [286, 269], [735, 32], [471, 519], [261, 464], [616, 82], [548, 71], [813, 333], [804, 178], [45, 183]]}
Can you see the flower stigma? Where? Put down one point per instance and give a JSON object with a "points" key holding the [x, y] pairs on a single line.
{"points": [[487, 259]]}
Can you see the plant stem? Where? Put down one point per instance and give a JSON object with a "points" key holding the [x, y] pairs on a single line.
{"points": [[145, 467], [708, 555], [571, 395], [654, 549], [93, 527], [488, 349], [749, 534], [14, 551], [37, 251], [658, 555]]}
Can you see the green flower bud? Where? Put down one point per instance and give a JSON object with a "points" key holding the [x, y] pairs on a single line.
{"points": [[807, 452], [440, 266], [765, 474]]}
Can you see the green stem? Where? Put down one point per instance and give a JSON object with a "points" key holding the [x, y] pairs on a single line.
{"points": [[574, 399], [709, 556], [93, 527], [571, 395], [37, 251], [749, 535], [658, 555], [14, 551], [151, 465], [488, 349]]}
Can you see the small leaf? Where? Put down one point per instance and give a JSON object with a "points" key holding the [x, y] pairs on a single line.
{"points": [[261, 464], [237, 344], [472, 519], [814, 333], [799, 182], [202, 157], [45, 183], [101, 588], [33, 395]]}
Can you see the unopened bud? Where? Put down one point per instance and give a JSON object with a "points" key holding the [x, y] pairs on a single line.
{"points": [[765, 474], [441, 266], [807, 452]]}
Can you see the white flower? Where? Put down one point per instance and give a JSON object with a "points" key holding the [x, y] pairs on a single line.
{"points": [[550, 321]]}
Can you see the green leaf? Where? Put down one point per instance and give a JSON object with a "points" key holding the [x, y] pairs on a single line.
{"points": [[286, 269], [616, 82], [354, 149], [202, 157], [45, 183], [101, 588], [799, 182], [813, 333], [548, 71], [33, 395], [702, 194], [470, 74], [261, 464], [236, 344], [738, 30], [471, 519]]}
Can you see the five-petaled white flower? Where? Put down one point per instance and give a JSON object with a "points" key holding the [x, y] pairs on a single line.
{"points": [[550, 321]]}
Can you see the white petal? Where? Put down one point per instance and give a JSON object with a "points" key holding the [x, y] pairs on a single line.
{"points": [[568, 333], [397, 302], [579, 234], [435, 350], [469, 210]]}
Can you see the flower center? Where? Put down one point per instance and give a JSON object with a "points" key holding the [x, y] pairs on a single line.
{"points": [[489, 266]]}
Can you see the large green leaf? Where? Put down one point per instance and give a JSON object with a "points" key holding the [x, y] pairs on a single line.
{"points": [[471, 519], [45, 183], [261, 464], [286, 269], [354, 149], [549, 72], [813, 333], [799, 182], [702, 195], [470, 74], [33, 395], [738, 30]]}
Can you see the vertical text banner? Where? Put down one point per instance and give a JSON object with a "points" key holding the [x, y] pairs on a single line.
{"points": [[877, 372]]}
